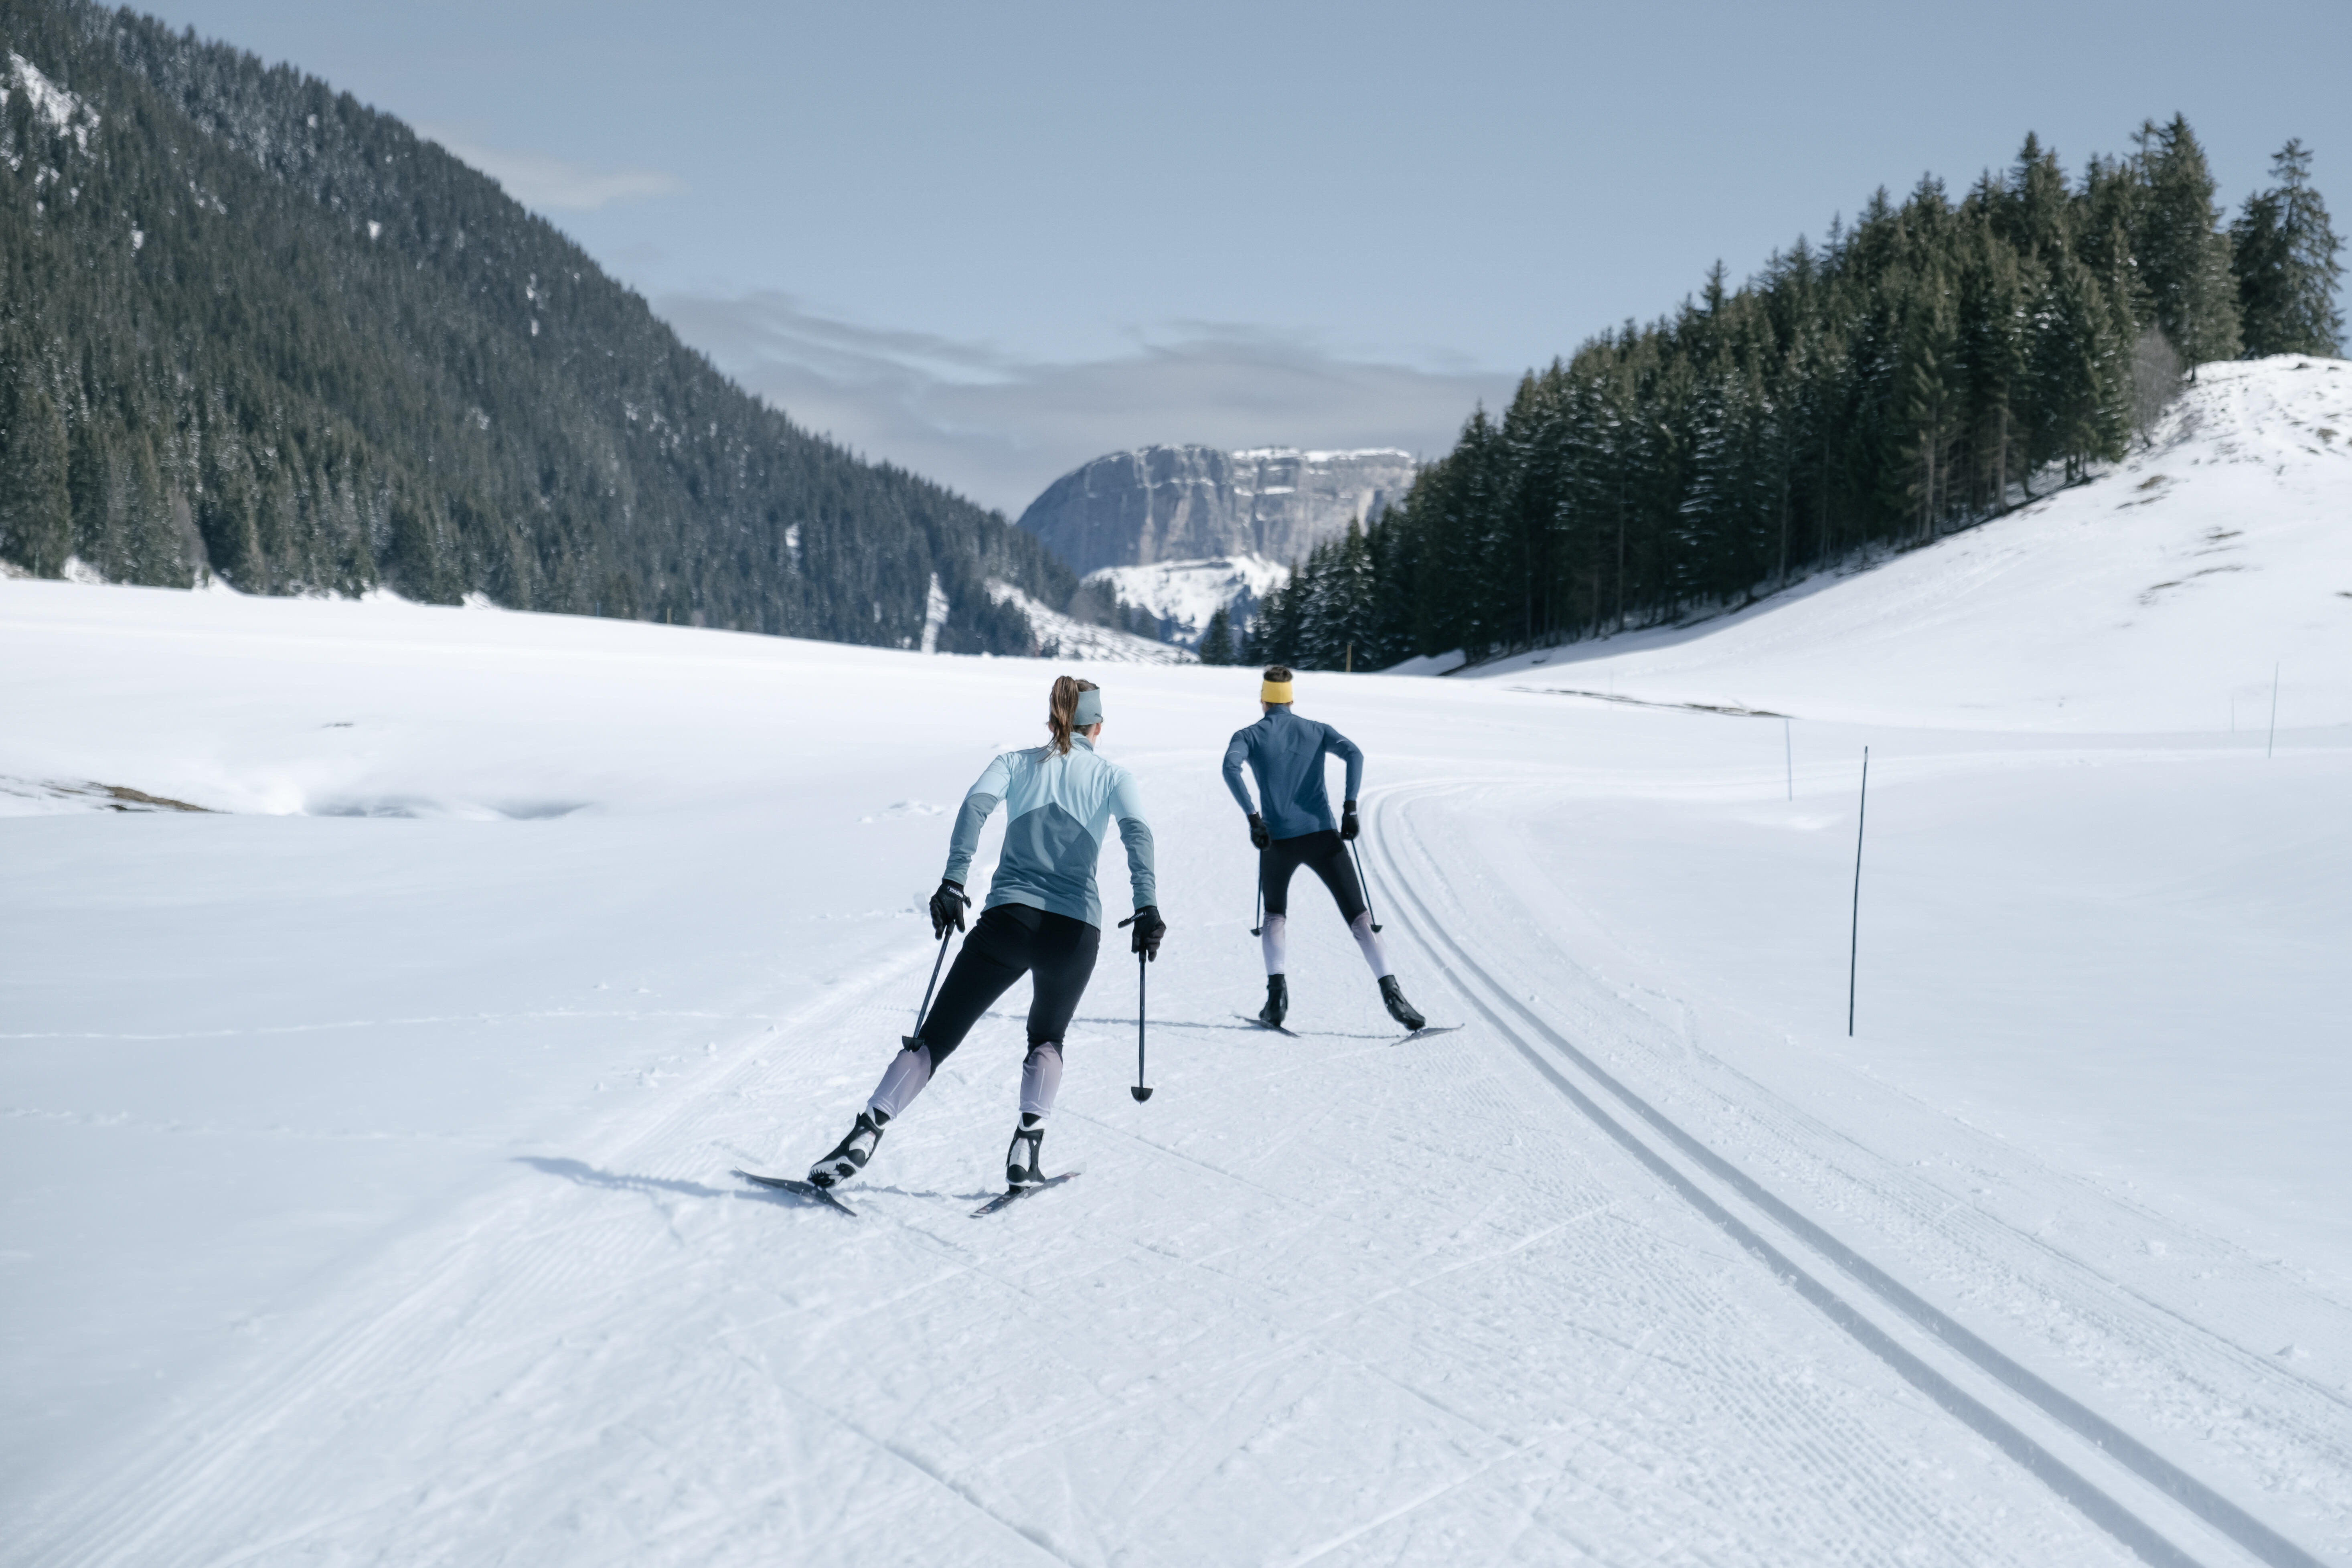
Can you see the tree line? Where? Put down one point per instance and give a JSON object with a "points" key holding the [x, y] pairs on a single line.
{"points": [[1934, 365], [250, 328]]}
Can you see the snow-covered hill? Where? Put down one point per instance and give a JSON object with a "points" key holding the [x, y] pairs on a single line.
{"points": [[368, 1132], [2158, 596], [1066, 637], [1190, 591]]}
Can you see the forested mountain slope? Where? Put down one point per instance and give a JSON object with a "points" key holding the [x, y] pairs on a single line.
{"points": [[2166, 596], [248, 324], [1937, 363]]}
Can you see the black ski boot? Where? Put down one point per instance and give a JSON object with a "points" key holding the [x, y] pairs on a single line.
{"points": [[1399, 1008], [849, 1156], [1029, 1136], [1277, 1002]]}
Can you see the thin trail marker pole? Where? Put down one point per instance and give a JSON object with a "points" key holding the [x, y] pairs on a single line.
{"points": [[923, 1012], [2272, 741], [1789, 754], [1364, 884], [1853, 948]]}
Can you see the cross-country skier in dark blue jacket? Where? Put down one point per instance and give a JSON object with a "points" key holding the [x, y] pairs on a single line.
{"points": [[1286, 754]]}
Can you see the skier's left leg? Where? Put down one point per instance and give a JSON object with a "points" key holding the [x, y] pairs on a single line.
{"points": [[1063, 961], [1338, 874], [993, 958]]}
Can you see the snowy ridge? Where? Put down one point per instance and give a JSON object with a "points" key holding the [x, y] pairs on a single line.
{"points": [[1264, 454], [2159, 596], [1064, 638], [1190, 591]]}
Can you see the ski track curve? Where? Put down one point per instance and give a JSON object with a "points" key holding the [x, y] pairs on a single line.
{"points": [[2069, 1334], [1240, 1340]]}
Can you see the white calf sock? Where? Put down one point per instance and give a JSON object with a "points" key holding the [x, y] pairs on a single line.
{"points": [[1270, 942], [1041, 1079], [904, 1079], [1374, 953]]}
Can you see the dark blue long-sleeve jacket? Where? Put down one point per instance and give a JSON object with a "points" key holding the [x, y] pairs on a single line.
{"points": [[1286, 752]]}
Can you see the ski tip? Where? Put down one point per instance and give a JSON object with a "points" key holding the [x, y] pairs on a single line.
{"points": [[1010, 1194], [797, 1188]]}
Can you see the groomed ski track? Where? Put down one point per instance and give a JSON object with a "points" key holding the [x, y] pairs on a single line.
{"points": [[2139, 1495], [1584, 1343]]}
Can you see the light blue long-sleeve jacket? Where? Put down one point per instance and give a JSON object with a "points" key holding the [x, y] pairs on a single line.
{"points": [[1286, 753], [1056, 809]]}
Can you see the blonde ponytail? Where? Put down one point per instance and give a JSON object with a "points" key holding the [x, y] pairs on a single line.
{"points": [[1062, 710]]}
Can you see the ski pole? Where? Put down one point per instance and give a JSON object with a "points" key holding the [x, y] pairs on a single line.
{"points": [[1258, 919], [910, 1041], [1367, 884], [1141, 1090]]}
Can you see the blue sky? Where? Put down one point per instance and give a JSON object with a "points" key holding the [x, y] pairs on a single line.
{"points": [[989, 242]]}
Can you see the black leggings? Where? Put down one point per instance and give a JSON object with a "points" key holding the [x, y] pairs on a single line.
{"points": [[1322, 853], [1057, 951]]}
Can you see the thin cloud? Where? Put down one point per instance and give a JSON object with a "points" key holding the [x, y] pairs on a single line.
{"points": [[550, 184], [1000, 427]]}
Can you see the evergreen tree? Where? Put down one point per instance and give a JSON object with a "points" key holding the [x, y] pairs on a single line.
{"points": [[36, 505], [1217, 637], [2283, 249], [2182, 253]]}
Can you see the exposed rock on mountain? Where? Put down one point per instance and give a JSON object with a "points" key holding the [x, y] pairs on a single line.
{"points": [[1193, 503]]}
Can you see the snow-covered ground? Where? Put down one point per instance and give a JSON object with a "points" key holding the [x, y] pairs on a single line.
{"points": [[1190, 591], [367, 1133]]}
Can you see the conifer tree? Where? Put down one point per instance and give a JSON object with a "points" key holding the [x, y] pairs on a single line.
{"points": [[1217, 637], [2285, 250], [2181, 250], [36, 505]]}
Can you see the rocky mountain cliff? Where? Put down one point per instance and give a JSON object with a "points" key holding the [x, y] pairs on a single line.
{"points": [[1191, 503]]}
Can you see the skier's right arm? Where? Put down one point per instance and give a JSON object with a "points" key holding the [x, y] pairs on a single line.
{"points": [[1237, 758], [978, 802]]}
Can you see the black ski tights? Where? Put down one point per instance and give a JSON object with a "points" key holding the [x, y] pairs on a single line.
{"points": [[1057, 951]]}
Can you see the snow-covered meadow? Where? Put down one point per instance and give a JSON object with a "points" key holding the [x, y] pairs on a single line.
{"points": [[367, 1133]]}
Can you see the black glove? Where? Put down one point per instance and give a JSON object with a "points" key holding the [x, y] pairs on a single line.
{"points": [[947, 907], [1259, 837], [1349, 826], [1148, 929]]}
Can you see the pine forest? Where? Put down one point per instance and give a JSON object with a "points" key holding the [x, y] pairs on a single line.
{"points": [[1934, 363], [250, 328]]}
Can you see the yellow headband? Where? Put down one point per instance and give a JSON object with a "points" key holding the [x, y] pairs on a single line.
{"points": [[1274, 691]]}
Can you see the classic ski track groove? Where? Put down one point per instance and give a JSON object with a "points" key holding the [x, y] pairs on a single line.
{"points": [[1944, 1334]]}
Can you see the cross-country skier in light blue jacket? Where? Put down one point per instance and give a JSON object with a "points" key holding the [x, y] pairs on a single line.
{"points": [[1042, 918]]}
